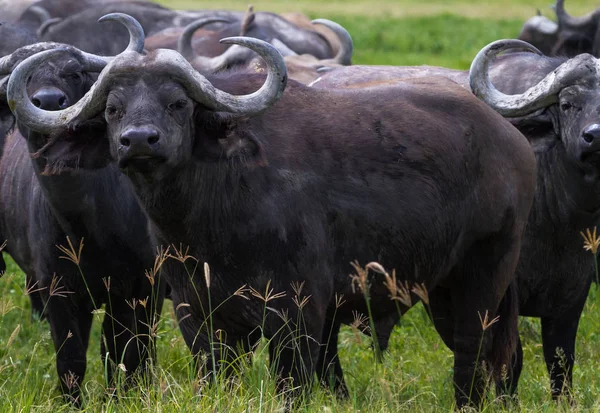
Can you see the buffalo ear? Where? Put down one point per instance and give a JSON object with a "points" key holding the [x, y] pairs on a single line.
{"points": [[7, 119], [85, 146], [541, 128], [223, 137]]}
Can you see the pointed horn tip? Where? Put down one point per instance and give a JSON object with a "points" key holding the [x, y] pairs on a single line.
{"points": [[241, 40], [115, 16], [507, 44]]}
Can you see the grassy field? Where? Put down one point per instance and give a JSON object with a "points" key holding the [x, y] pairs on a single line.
{"points": [[417, 371]]}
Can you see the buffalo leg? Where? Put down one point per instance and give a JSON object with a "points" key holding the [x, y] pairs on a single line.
{"points": [[558, 339], [508, 384], [329, 368], [70, 330], [478, 288], [294, 349], [127, 332], [440, 312], [35, 297]]}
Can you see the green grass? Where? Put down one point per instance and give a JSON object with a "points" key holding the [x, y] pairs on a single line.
{"points": [[417, 371]]}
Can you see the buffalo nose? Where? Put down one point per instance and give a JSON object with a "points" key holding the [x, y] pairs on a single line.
{"points": [[50, 98], [591, 134], [142, 138]]}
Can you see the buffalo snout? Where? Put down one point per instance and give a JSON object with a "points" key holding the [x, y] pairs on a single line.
{"points": [[138, 143], [50, 98], [591, 135], [139, 140]]}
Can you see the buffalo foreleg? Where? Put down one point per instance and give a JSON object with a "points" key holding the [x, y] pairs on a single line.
{"points": [[329, 368], [482, 288], [558, 338], [70, 329]]}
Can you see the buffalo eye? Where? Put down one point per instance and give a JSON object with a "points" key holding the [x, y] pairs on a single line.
{"points": [[177, 105], [112, 111], [72, 77], [565, 106]]}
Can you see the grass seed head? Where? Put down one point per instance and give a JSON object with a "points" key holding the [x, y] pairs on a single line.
{"points": [[13, 335], [421, 291], [486, 322], [591, 241], [70, 253]]}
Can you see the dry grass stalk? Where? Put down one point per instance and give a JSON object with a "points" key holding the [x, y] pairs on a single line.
{"points": [[485, 321], [181, 254], [70, 380], [339, 300], [359, 279], [6, 306], [30, 289], [161, 256], [13, 335], [269, 295], [207, 274], [298, 299], [359, 324], [57, 290], [70, 253], [106, 282], [421, 291], [133, 303], [240, 292], [591, 241]]}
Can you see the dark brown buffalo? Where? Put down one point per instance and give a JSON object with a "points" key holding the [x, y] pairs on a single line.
{"points": [[568, 37], [555, 273], [286, 36], [96, 208], [305, 68], [282, 189], [81, 30]]}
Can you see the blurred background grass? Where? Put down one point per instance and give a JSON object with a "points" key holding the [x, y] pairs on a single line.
{"points": [[410, 32]]}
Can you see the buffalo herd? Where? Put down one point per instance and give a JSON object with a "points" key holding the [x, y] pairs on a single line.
{"points": [[238, 164]]}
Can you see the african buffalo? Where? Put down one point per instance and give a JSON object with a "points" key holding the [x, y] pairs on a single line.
{"points": [[265, 26], [305, 68], [569, 36], [555, 273], [281, 191], [81, 31], [95, 215]]}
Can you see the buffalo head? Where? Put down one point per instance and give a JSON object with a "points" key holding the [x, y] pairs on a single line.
{"points": [[567, 97], [62, 80], [152, 111]]}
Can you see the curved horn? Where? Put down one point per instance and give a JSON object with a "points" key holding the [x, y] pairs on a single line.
{"points": [[565, 20], [184, 44], [45, 121], [172, 63], [136, 43], [35, 118], [254, 103], [543, 94], [135, 29], [46, 25], [41, 13], [9, 61], [344, 55]]}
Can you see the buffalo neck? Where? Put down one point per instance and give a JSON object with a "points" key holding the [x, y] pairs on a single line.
{"points": [[197, 201], [563, 200], [81, 200]]}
